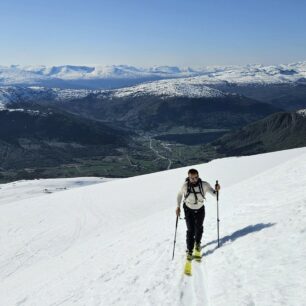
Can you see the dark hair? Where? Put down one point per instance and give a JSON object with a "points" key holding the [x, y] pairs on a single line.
{"points": [[193, 171]]}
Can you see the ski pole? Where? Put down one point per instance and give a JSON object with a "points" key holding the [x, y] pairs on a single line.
{"points": [[218, 220], [175, 235]]}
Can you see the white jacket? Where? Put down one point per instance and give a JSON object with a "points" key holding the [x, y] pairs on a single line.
{"points": [[191, 200]]}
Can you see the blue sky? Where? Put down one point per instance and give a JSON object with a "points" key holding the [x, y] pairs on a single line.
{"points": [[152, 32]]}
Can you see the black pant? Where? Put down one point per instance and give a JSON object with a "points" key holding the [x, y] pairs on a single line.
{"points": [[194, 222]]}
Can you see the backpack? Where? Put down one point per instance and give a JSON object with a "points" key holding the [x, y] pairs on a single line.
{"points": [[190, 189]]}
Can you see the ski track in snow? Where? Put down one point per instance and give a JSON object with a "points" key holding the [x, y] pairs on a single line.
{"points": [[193, 288]]}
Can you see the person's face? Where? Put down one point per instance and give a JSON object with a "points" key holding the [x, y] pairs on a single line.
{"points": [[193, 178]]}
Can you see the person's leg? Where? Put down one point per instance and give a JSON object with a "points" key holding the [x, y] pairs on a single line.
{"points": [[198, 220], [189, 215]]}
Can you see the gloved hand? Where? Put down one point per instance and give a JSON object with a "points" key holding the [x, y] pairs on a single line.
{"points": [[178, 211], [217, 187]]}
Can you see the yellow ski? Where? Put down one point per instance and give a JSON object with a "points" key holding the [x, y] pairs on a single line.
{"points": [[188, 268]]}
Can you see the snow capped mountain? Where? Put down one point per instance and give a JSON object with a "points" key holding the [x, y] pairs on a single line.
{"points": [[257, 74], [11, 94], [34, 75], [69, 76], [68, 248], [187, 87], [208, 84]]}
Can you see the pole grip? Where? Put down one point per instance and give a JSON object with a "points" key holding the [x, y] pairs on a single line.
{"points": [[217, 183]]}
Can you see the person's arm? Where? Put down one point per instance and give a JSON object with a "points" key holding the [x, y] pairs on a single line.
{"points": [[209, 189], [180, 195], [179, 199]]}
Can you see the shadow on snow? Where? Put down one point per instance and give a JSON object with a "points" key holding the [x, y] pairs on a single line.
{"points": [[235, 235]]}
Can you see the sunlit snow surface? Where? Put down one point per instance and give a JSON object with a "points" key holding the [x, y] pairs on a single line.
{"points": [[23, 189], [111, 243]]}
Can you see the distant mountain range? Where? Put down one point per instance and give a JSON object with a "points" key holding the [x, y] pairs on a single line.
{"points": [[154, 107], [115, 76]]}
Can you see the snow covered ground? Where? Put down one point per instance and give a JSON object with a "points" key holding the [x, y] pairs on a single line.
{"points": [[24, 189], [111, 243]]}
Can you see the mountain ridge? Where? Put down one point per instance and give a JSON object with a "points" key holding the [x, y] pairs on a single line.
{"points": [[114, 76], [279, 131]]}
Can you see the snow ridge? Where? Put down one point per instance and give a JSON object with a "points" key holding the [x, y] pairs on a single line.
{"points": [[190, 87], [187, 87]]}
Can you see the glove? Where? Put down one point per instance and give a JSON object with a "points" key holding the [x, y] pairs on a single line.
{"points": [[178, 211]]}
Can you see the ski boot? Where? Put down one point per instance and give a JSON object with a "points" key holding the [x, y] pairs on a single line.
{"points": [[197, 252]]}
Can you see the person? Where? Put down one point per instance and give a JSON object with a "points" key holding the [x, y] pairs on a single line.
{"points": [[194, 191]]}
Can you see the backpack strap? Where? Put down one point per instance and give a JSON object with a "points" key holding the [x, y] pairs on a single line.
{"points": [[195, 195], [201, 188], [190, 189]]}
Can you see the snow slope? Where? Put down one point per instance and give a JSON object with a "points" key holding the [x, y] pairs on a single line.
{"points": [[111, 243], [23, 189]]}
